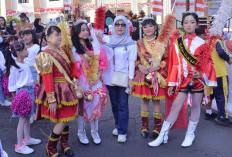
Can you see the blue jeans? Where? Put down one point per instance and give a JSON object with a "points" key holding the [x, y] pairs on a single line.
{"points": [[2, 96], [119, 103], [33, 72]]}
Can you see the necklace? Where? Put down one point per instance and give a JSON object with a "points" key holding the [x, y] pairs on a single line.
{"points": [[150, 39]]}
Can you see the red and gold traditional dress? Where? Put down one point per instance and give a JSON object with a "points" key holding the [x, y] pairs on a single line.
{"points": [[142, 87], [180, 71], [149, 88], [57, 72]]}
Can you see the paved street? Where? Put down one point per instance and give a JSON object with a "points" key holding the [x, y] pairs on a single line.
{"points": [[211, 140]]}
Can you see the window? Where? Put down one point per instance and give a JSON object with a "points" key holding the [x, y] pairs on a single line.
{"points": [[23, 1]]}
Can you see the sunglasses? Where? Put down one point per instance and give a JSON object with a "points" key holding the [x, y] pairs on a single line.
{"points": [[120, 24]]}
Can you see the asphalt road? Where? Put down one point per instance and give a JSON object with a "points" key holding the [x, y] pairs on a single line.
{"points": [[212, 140]]}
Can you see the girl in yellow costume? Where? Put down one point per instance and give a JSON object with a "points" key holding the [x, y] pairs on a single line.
{"points": [[145, 83]]}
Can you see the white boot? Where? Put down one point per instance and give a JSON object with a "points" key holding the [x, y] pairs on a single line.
{"points": [[94, 131], [163, 135], [189, 137], [81, 131]]}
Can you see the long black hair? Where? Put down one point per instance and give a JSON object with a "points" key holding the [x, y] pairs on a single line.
{"points": [[32, 32], [195, 16], [151, 22], [48, 32], [76, 40], [11, 22], [38, 28], [12, 37], [12, 50], [1, 17]]}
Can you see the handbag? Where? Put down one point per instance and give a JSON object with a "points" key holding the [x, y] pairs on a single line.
{"points": [[119, 78]]}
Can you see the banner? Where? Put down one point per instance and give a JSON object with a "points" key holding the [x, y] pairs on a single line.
{"points": [[213, 7], [157, 8]]}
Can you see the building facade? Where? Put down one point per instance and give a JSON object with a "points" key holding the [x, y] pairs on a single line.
{"points": [[45, 9], [48, 9]]}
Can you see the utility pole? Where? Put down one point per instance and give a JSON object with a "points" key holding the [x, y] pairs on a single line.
{"points": [[187, 5]]}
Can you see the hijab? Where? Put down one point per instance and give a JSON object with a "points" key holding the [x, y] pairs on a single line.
{"points": [[120, 40]]}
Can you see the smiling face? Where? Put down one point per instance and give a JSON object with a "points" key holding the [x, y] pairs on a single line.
{"points": [[190, 24], [149, 30], [120, 27], [84, 33], [27, 38]]}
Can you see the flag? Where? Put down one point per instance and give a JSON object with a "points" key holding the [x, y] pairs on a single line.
{"points": [[157, 8], [67, 5], [200, 7]]}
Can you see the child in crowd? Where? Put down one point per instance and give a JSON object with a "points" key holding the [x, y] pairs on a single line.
{"points": [[31, 42], [21, 84], [43, 44], [12, 39], [33, 48]]}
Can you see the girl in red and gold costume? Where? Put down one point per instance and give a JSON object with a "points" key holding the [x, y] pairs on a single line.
{"points": [[190, 67], [56, 98], [145, 86]]}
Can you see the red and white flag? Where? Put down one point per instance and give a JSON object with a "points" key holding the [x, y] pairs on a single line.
{"points": [[157, 8], [200, 7], [67, 5]]}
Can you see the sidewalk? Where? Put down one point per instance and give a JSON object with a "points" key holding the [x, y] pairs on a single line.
{"points": [[212, 140]]}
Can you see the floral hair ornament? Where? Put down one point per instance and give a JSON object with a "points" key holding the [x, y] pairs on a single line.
{"points": [[78, 21], [147, 18], [51, 23]]}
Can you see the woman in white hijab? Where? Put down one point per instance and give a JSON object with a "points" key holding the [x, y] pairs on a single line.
{"points": [[121, 52]]}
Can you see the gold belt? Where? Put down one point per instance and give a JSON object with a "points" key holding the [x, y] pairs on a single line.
{"points": [[59, 79]]}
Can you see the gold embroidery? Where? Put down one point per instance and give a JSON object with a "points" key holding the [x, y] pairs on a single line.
{"points": [[59, 79], [43, 63], [191, 59], [144, 114], [157, 115]]}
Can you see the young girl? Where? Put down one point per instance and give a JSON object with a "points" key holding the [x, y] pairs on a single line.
{"points": [[21, 84], [42, 42], [89, 64], [143, 87], [57, 99], [190, 67], [33, 48]]}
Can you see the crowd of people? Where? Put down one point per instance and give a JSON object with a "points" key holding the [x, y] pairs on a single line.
{"points": [[50, 80]]}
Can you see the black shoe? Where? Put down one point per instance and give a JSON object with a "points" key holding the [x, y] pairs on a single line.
{"points": [[210, 116], [154, 135], [69, 153], [144, 134], [223, 121]]}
